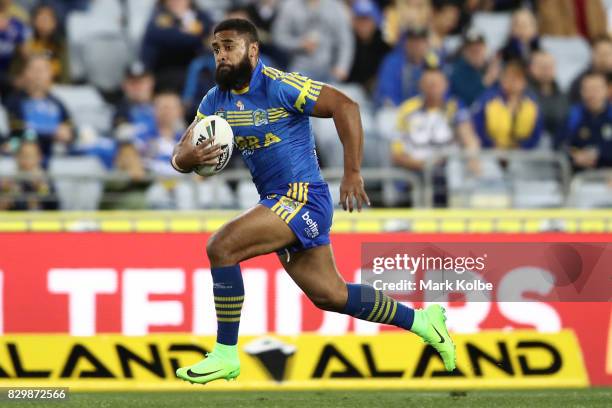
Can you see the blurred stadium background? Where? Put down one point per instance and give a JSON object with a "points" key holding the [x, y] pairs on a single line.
{"points": [[485, 121]]}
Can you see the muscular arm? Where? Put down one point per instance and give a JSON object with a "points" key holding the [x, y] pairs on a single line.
{"points": [[345, 112]]}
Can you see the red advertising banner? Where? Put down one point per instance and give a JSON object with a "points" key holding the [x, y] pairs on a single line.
{"points": [[134, 284]]}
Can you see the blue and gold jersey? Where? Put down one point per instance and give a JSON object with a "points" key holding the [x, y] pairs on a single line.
{"points": [[499, 127], [270, 120]]}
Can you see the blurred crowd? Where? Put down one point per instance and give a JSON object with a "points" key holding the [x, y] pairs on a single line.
{"points": [[420, 66]]}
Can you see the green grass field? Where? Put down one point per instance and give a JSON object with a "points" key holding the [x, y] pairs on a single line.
{"points": [[318, 399]]}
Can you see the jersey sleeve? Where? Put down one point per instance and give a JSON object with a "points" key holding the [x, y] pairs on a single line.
{"points": [[297, 93], [207, 106]]}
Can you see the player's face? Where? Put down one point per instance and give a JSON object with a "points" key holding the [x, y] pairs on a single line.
{"points": [[232, 60]]}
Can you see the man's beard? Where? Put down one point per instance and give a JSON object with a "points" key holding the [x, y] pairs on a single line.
{"points": [[234, 77]]}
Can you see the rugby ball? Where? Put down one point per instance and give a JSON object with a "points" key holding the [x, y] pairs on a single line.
{"points": [[217, 128]]}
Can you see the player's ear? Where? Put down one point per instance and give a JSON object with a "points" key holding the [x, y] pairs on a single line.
{"points": [[253, 49]]}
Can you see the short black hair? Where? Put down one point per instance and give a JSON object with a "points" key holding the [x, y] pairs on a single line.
{"points": [[604, 38], [517, 64], [241, 26], [438, 5], [595, 74]]}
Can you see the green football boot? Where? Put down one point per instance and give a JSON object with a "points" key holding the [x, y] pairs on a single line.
{"points": [[430, 324], [221, 363]]}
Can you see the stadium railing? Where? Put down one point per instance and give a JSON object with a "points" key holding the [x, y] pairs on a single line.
{"points": [[516, 172], [591, 189], [382, 181]]}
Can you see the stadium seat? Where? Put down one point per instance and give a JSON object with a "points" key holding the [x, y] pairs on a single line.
{"points": [[494, 26], [179, 195], [328, 145], [214, 193], [535, 184], [537, 194], [386, 119], [8, 167], [86, 106], [572, 55], [103, 72], [4, 125], [489, 190], [138, 14], [98, 50], [247, 194], [215, 8], [591, 195], [591, 189], [78, 181]]}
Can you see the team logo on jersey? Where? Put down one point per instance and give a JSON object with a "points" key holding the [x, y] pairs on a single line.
{"points": [[606, 132], [240, 105], [260, 117], [221, 113], [288, 204]]}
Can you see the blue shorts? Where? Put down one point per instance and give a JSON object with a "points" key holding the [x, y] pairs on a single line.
{"points": [[308, 210]]}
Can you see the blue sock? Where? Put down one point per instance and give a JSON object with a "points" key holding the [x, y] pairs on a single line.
{"points": [[366, 303], [228, 291]]}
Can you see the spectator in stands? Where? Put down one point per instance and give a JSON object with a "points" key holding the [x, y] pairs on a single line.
{"points": [[432, 123], [47, 38], [472, 73], [552, 101], [370, 48], [403, 15], [13, 36], [168, 194], [508, 116], [589, 127], [127, 194], [34, 108], [32, 192], [175, 35], [200, 78], [569, 18], [262, 14], [601, 61], [444, 19], [16, 9], [135, 117], [318, 35], [523, 39], [401, 70]]}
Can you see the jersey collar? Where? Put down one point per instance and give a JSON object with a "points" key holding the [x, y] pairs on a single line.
{"points": [[254, 80]]}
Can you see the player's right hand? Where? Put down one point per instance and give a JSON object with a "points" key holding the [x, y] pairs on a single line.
{"points": [[189, 156]]}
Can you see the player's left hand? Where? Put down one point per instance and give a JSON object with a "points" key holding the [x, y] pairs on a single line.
{"points": [[351, 191]]}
